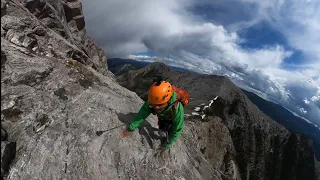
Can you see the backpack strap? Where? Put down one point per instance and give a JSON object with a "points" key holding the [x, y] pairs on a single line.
{"points": [[173, 109]]}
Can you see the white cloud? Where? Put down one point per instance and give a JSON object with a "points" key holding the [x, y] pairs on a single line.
{"points": [[316, 97], [303, 111], [306, 101], [298, 20], [140, 57]]}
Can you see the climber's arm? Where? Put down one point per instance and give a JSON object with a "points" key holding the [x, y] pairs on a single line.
{"points": [[143, 113]]}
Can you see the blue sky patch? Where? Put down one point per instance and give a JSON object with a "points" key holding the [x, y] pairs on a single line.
{"points": [[222, 13], [292, 63], [261, 35]]}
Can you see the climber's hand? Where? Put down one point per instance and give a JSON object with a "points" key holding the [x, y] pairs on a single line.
{"points": [[125, 133], [166, 145]]}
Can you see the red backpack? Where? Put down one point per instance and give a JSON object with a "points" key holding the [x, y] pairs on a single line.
{"points": [[182, 96]]}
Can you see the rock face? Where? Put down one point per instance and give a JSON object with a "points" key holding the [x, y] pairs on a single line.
{"points": [[61, 110], [263, 148], [317, 169], [45, 28], [287, 119]]}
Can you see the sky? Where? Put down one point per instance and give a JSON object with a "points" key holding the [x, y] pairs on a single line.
{"points": [[269, 47]]}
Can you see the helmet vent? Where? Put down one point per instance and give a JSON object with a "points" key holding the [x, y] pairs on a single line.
{"points": [[164, 97]]}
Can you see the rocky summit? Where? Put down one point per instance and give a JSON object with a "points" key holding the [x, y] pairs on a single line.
{"points": [[62, 111]]}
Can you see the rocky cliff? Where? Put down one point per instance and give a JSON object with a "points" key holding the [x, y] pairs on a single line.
{"points": [[61, 113]]}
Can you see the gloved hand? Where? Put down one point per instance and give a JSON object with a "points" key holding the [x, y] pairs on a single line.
{"points": [[125, 133]]}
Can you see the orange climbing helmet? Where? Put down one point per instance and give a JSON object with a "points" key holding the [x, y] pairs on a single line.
{"points": [[160, 92]]}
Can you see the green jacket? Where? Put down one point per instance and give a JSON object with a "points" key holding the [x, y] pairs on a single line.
{"points": [[177, 118]]}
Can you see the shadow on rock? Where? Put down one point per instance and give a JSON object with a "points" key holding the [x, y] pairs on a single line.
{"points": [[145, 129]]}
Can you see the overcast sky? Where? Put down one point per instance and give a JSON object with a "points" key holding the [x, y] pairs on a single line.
{"points": [[270, 47]]}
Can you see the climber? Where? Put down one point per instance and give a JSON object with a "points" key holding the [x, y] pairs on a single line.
{"points": [[167, 102]]}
